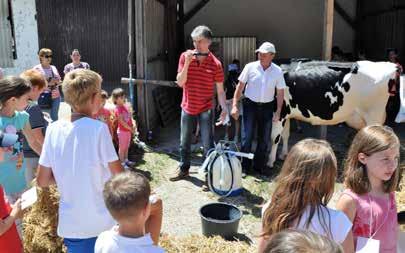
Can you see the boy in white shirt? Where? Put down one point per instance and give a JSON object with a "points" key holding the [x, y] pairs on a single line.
{"points": [[127, 197], [78, 155]]}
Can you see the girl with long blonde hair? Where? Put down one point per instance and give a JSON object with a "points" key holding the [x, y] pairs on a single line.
{"points": [[304, 187]]}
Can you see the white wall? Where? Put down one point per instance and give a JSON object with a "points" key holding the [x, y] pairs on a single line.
{"points": [[26, 31], [295, 27]]}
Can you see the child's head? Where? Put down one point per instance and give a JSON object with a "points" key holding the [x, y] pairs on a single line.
{"points": [[37, 81], [14, 93], [45, 55], [295, 241], [104, 97], [82, 90], [307, 179], [118, 96], [374, 154], [126, 196]]}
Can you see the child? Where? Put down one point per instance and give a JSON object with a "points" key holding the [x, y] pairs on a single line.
{"points": [[295, 241], [127, 198], [78, 155], [37, 121], [125, 126], [9, 239], [104, 114], [371, 175], [14, 94], [304, 187]]}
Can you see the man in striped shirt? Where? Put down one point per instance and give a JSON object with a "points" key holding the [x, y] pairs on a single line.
{"points": [[199, 73]]}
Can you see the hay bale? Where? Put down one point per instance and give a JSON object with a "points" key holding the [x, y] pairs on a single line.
{"points": [[202, 244], [40, 224]]}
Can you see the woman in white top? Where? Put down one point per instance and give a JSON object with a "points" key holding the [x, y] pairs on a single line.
{"points": [[304, 187]]}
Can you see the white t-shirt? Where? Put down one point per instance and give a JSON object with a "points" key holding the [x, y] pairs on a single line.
{"points": [[340, 225], [112, 242], [78, 153], [261, 83]]}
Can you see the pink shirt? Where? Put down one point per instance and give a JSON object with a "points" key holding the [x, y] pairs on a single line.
{"points": [[124, 113], [384, 221]]}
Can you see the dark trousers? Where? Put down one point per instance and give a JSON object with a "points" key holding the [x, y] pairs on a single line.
{"points": [[188, 123], [260, 115]]}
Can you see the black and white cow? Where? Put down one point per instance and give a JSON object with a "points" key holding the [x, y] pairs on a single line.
{"points": [[327, 93]]}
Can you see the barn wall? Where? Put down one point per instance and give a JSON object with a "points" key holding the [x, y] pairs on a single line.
{"points": [[99, 31], [382, 26], [26, 32], [157, 63], [295, 27]]}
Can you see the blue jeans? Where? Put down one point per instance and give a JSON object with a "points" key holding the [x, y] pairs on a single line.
{"points": [[260, 115], [80, 245], [187, 125], [55, 108]]}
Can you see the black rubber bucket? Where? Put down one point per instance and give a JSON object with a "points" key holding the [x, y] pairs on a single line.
{"points": [[220, 219]]}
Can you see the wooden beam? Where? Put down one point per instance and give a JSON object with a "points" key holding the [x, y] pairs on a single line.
{"points": [[327, 30], [165, 83], [180, 26], [327, 44], [163, 2], [344, 15], [141, 61], [172, 39], [194, 10]]}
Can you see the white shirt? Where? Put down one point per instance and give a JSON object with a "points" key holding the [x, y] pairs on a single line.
{"points": [[340, 225], [112, 242], [78, 153], [261, 83]]}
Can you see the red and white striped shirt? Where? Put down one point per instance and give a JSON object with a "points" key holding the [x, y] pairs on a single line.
{"points": [[199, 89]]}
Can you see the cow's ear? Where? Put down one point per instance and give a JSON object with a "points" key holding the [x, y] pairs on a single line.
{"points": [[354, 69]]}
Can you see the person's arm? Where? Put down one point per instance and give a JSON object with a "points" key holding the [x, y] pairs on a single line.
{"points": [[280, 100], [38, 135], [16, 213], [222, 102], [184, 63], [236, 98], [45, 176], [123, 123], [115, 167], [347, 205], [262, 243], [31, 139]]}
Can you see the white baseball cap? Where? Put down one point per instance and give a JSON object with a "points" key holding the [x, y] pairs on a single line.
{"points": [[266, 47]]}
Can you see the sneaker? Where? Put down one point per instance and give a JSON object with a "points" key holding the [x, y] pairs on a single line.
{"points": [[180, 175], [205, 188], [129, 163], [126, 167]]}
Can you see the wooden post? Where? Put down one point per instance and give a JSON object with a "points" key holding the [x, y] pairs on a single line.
{"points": [[171, 32], [141, 61], [180, 26], [327, 44]]}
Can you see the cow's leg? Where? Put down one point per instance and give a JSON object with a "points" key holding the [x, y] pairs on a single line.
{"points": [[276, 131], [356, 121], [285, 135]]}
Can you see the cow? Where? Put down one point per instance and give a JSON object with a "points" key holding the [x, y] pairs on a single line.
{"points": [[329, 93]]}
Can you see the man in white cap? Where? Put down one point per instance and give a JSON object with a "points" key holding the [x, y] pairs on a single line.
{"points": [[261, 78]]}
